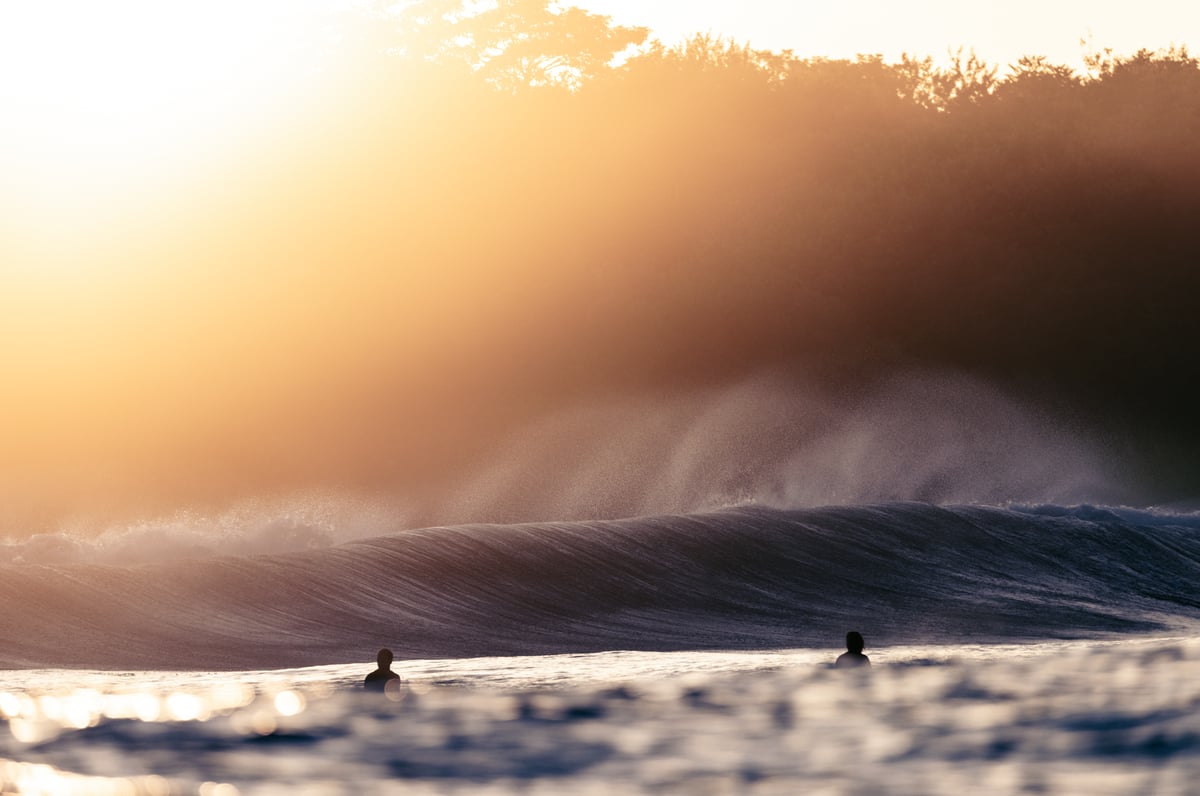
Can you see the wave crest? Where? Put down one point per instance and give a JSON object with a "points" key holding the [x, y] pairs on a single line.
{"points": [[738, 578]]}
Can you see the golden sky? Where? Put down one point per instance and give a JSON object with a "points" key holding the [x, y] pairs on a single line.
{"points": [[200, 236], [121, 93], [999, 31]]}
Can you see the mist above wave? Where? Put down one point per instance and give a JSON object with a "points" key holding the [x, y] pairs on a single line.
{"points": [[771, 440], [249, 527], [779, 442]]}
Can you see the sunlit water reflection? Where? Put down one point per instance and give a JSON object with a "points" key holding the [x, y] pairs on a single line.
{"points": [[1056, 717]]}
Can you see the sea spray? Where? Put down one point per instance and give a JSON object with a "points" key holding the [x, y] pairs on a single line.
{"points": [[770, 440], [782, 442]]}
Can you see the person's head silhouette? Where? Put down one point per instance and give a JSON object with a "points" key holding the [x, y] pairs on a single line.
{"points": [[853, 657], [379, 679]]}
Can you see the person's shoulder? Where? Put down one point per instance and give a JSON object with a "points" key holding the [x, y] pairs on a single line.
{"points": [[378, 680], [848, 660]]}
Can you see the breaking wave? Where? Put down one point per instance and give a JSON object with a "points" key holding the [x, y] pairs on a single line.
{"points": [[735, 578]]}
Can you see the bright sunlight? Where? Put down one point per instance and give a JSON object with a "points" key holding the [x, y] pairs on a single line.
{"points": [[104, 101]]}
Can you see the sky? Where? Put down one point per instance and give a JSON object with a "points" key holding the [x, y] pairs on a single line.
{"points": [[999, 31], [79, 98], [212, 232]]}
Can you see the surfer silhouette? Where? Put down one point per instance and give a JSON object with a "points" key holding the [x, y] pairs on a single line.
{"points": [[853, 657], [378, 680]]}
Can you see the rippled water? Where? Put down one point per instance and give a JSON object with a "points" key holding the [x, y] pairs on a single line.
{"points": [[1058, 717]]}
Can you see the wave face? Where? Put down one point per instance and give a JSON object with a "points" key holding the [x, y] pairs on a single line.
{"points": [[736, 578]]}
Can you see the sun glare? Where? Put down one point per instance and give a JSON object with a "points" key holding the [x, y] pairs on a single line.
{"points": [[103, 101]]}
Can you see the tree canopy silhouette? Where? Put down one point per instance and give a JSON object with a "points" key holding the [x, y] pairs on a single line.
{"points": [[731, 207], [515, 43]]}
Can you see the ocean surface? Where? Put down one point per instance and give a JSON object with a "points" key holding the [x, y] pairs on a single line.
{"points": [[1041, 648]]}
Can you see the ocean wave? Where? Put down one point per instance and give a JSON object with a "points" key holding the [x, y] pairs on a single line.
{"points": [[737, 578], [768, 440]]}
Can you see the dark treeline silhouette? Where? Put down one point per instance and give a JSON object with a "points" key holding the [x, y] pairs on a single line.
{"points": [[708, 208], [490, 222]]}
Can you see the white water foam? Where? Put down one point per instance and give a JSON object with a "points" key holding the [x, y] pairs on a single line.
{"points": [[1054, 718]]}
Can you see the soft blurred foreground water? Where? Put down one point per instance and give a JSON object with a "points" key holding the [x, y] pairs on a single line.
{"points": [[1111, 717]]}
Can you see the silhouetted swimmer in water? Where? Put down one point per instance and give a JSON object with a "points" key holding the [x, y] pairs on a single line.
{"points": [[853, 657], [379, 679]]}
